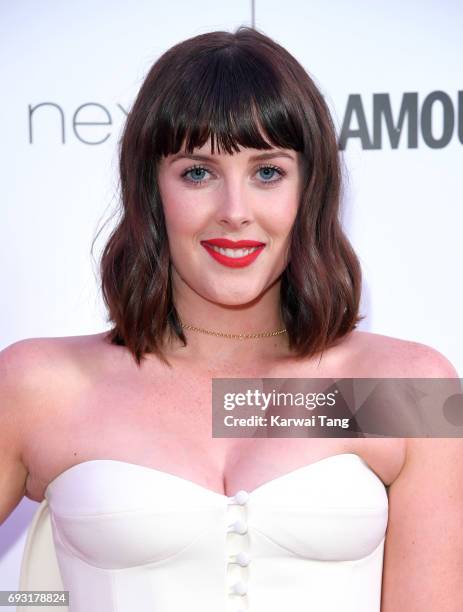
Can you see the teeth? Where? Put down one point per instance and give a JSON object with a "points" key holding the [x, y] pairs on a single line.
{"points": [[234, 253]]}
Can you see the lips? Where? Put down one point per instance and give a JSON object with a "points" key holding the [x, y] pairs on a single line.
{"points": [[231, 244], [227, 260]]}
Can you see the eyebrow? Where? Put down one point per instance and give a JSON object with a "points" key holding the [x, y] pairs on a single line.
{"points": [[261, 156]]}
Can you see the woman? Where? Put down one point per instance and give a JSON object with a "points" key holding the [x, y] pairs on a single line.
{"points": [[229, 146]]}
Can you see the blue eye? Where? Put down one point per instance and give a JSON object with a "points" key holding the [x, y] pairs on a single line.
{"points": [[270, 172], [195, 174]]}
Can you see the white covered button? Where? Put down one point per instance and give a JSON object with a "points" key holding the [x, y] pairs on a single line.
{"points": [[242, 558], [240, 588], [241, 497], [238, 526]]}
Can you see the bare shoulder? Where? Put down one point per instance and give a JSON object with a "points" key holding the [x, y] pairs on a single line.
{"points": [[34, 374], [29, 359], [25, 364], [39, 369], [377, 355]]}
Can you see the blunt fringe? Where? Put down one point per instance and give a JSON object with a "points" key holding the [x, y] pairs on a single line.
{"points": [[229, 87]]}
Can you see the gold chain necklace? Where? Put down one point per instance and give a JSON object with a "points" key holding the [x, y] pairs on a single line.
{"points": [[238, 336]]}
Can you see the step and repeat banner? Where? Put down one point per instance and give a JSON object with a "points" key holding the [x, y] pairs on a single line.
{"points": [[391, 75]]}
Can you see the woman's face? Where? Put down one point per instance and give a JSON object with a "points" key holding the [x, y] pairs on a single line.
{"points": [[251, 195]]}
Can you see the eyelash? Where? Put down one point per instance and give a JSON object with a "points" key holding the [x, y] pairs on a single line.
{"points": [[280, 171]]}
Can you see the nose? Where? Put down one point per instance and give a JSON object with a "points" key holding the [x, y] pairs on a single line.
{"points": [[234, 208]]}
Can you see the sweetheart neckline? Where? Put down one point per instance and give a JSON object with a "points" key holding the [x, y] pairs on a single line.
{"points": [[308, 466]]}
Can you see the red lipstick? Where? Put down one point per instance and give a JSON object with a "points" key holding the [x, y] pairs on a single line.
{"points": [[233, 262], [231, 244]]}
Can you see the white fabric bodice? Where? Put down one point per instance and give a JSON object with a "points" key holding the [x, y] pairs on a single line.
{"points": [[130, 538]]}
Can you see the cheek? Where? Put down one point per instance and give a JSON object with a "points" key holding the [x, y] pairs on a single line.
{"points": [[181, 214], [178, 218], [280, 216]]}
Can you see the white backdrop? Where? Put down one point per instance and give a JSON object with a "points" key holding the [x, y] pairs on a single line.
{"points": [[84, 64]]}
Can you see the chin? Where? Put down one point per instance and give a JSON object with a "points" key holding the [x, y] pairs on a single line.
{"points": [[229, 298], [234, 301]]}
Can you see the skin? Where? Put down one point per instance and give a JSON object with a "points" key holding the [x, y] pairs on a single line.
{"points": [[64, 380], [238, 198]]}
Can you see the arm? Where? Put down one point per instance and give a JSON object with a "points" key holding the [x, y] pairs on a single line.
{"points": [[13, 472], [423, 559]]}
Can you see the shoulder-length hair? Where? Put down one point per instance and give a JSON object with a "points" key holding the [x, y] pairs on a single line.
{"points": [[230, 87]]}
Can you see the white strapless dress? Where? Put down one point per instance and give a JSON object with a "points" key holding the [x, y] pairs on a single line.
{"points": [[121, 537]]}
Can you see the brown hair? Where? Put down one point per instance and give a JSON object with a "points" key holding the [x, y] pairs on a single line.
{"points": [[229, 86]]}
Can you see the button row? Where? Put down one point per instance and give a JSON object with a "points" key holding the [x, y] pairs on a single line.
{"points": [[241, 558], [239, 526], [240, 498], [240, 588]]}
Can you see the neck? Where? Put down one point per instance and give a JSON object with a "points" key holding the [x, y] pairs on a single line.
{"points": [[213, 351]]}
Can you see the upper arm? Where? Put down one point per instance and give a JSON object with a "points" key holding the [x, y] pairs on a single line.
{"points": [[15, 373], [423, 556], [423, 559]]}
